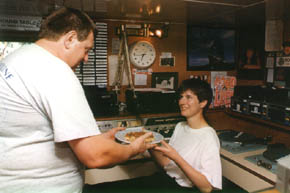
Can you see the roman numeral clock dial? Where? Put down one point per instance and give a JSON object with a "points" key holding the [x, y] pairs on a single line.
{"points": [[142, 54]]}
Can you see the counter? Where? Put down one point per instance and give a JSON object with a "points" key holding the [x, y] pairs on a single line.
{"points": [[244, 173]]}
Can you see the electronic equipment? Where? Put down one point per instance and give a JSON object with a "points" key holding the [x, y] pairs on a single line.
{"points": [[162, 125], [249, 92], [239, 105], [151, 101], [258, 109], [267, 103], [276, 95], [276, 151], [264, 164], [101, 101], [279, 113]]}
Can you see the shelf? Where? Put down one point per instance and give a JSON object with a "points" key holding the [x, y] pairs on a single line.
{"points": [[258, 120]]}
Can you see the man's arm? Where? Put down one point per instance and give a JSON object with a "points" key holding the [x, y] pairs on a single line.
{"points": [[102, 151]]}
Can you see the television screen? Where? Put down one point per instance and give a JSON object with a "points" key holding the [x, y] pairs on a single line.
{"points": [[210, 48]]}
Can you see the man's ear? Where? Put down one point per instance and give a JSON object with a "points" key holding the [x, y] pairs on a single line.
{"points": [[70, 39], [203, 103]]}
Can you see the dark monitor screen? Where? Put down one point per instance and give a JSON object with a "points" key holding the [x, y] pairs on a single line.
{"points": [[210, 48]]}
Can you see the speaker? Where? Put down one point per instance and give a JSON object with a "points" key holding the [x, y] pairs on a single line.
{"points": [[151, 102], [101, 101]]}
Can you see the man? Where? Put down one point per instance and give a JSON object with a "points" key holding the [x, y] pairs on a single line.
{"points": [[192, 155], [46, 126]]}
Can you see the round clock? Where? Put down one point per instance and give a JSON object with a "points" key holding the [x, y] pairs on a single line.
{"points": [[142, 54]]}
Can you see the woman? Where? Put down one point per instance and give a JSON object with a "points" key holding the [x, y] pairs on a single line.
{"points": [[192, 155]]}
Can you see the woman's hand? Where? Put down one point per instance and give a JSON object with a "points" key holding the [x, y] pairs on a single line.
{"points": [[167, 151]]}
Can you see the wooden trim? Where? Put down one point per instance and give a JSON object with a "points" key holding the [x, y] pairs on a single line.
{"points": [[274, 125]]}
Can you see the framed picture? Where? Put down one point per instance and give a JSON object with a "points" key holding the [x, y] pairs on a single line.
{"points": [[210, 48], [281, 77], [166, 80], [167, 61], [250, 64]]}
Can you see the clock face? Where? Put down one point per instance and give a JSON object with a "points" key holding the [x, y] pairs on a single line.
{"points": [[142, 54]]}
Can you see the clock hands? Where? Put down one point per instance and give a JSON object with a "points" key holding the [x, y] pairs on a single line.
{"points": [[142, 56]]}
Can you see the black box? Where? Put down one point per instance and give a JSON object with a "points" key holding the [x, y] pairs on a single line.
{"points": [[240, 105], [151, 102], [249, 92], [101, 101], [279, 114], [258, 109]]}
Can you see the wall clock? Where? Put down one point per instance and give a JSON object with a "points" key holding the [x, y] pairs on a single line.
{"points": [[142, 54]]}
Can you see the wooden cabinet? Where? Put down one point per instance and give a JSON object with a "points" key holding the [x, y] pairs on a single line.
{"points": [[226, 119]]}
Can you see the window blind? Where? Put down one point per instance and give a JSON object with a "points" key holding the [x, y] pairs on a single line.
{"points": [[94, 71]]}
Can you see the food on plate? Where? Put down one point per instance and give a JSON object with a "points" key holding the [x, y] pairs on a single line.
{"points": [[131, 136]]}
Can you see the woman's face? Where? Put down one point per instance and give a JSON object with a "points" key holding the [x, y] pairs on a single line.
{"points": [[189, 104]]}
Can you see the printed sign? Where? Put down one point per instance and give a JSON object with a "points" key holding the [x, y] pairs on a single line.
{"points": [[20, 23], [283, 61]]}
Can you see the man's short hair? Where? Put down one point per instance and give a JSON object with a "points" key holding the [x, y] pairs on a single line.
{"points": [[199, 87], [64, 20]]}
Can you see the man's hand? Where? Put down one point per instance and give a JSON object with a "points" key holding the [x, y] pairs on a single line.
{"points": [[139, 145], [111, 133]]}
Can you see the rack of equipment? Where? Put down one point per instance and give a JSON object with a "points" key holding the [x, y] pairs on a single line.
{"points": [[266, 103]]}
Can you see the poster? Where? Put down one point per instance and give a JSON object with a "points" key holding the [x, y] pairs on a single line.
{"points": [[223, 90]]}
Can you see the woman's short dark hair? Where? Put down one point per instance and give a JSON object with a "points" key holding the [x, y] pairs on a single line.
{"points": [[199, 87], [64, 20]]}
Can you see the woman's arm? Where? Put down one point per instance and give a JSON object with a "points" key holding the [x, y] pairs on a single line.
{"points": [[159, 157], [198, 179]]}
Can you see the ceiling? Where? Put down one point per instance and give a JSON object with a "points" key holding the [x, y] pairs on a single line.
{"points": [[229, 13]]}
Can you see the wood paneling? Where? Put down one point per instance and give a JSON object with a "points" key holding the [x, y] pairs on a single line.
{"points": [[175, 43], [221, 120]]}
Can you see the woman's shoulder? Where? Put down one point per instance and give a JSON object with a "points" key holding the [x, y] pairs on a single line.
{"points": [[210, 135], [181, 124], [210, 131]]}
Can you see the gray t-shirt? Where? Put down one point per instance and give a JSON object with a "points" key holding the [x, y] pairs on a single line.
{"points": [[42, 105]]}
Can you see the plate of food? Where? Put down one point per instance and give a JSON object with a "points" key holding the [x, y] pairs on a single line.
{"points": [[130, 134]]}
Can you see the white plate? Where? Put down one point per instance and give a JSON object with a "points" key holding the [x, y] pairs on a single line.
{"points": [[121, 134]]}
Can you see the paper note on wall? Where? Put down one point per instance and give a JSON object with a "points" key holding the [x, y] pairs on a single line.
{"points": [[140, 79]]}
